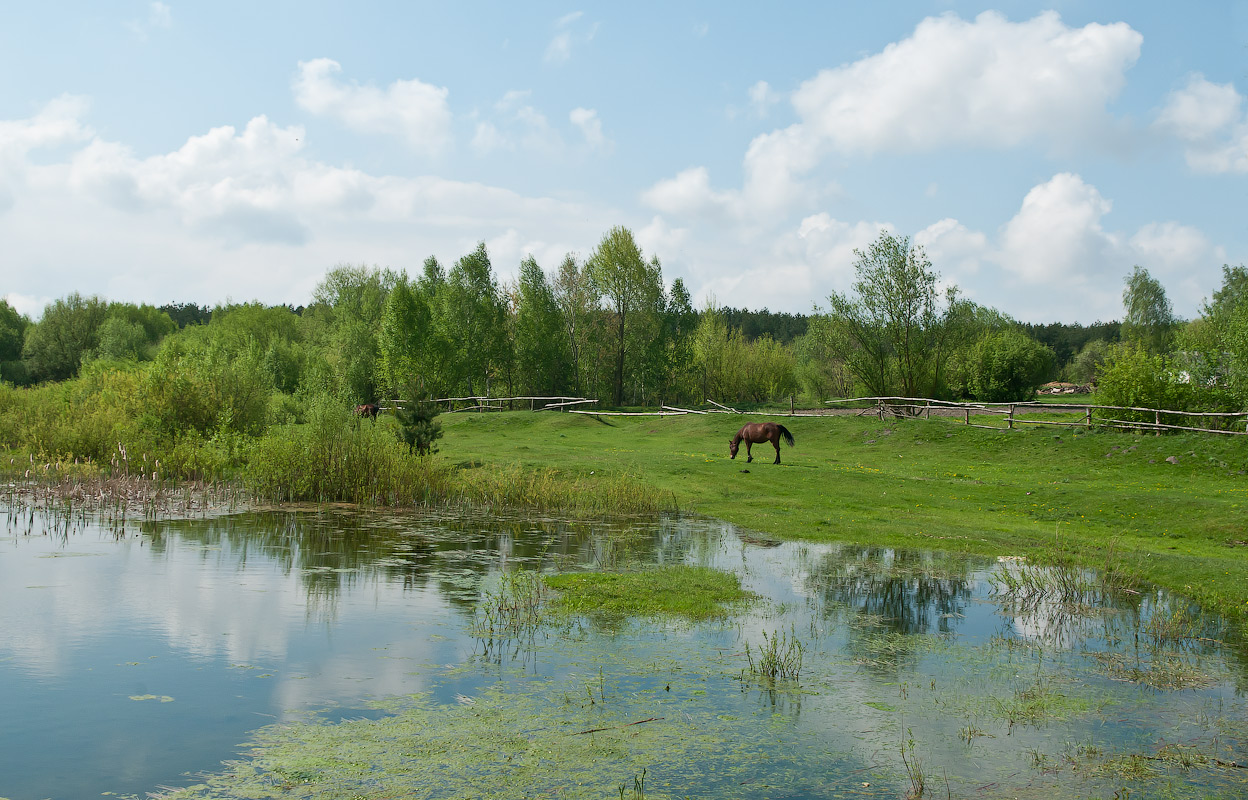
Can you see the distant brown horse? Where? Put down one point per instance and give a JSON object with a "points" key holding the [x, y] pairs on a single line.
{"points": [[758, 432], [367, 410]]}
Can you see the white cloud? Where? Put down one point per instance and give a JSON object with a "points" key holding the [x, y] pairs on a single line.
{"points": [[586, 119], [1057, 234], [1170, 246], [488, 138], [568, 34], [26, 305], [1055, 258], [773, 185], [1056, 253], [990, 82], [409, 109], [57, 123], [560, 48], [158, 17], [762, 98], [517, 125], [687, 194], [239, 211], [1209, 118], [959, 251]]}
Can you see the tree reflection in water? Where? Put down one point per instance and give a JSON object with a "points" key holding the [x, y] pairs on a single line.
{"points": [[893, 597]]}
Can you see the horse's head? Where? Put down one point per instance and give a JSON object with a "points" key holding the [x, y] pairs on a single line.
{"points": [[732, 447]]}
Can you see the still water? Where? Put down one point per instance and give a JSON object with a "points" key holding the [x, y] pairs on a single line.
{"points": [[138, 658]]}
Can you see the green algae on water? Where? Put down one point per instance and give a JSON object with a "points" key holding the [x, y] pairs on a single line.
{"points": [[692, 592]]}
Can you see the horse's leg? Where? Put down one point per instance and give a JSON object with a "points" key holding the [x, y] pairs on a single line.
{"points": [[748, 457], [776, 443]]}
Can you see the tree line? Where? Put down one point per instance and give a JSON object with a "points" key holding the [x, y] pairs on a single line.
{"points": [[609, 326]]}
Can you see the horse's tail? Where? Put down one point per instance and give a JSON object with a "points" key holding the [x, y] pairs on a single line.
{"points": [[788, 437]]}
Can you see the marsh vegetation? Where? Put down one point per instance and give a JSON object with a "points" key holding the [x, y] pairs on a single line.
{"points": [[373, 638]]}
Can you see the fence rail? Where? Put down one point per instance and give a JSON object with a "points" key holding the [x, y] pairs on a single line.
{"points": [[884, 407], [889, 406]]}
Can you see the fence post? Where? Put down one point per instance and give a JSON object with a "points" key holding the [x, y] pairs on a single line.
{"points": [[1087, 418], [1157, 419], [927, 410], [792, 400], [1009, 420], [968, 415], [880, 410]]}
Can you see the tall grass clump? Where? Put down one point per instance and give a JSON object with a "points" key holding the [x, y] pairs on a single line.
{"points": [[519, 487], [1064, 576], [337, 457], [514, 609], [780, 657]]}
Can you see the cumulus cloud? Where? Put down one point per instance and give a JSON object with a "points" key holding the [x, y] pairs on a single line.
{"points": [[1056, 257], [241, 211], [989, 82], [689, 193], [774, 184], [952, 83], [58, 122], [1209, 119], [409, 109], [1057, 252], [959, 250], [1057, 232]]}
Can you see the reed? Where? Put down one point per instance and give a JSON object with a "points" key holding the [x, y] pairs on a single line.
{"points": [[515, 486], [916, 774], [779, 658], [338, 458], [514, 609]]}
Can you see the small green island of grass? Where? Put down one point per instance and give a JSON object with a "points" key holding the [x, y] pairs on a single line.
{"points": [[694, 593]]}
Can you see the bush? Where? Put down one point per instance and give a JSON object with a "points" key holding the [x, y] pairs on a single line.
{"points": [[1008, 365], [1132, 377], [337, 457]]}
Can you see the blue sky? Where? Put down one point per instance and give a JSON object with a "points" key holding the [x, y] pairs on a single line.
{"points": [[199, 152]]}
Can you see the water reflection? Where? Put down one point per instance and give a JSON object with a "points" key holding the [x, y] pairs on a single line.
{"points": [[248, 618]]}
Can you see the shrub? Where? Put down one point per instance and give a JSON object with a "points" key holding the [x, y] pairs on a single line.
{"points": [[336, 456], [1008, 365], [1132, 377]]}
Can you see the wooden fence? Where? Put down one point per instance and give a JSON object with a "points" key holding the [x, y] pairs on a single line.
{"points": [[1011, 413], [486, 403]]}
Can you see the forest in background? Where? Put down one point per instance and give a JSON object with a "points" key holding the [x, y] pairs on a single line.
{"points": [[92, 372]]}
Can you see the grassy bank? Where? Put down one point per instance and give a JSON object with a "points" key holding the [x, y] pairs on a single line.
{"points": [[1106, 497]]}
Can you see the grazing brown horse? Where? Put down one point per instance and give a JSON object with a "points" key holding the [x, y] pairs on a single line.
{"points": [[367, 410], [758, 432]]}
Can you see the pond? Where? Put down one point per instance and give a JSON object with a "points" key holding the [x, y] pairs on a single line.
{"points": [[342, 652]]}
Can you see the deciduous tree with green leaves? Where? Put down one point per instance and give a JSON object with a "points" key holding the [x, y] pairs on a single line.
{"points": [[633, 290], [1149, 318], [67, 333], [475, 318], [577, 298], [542, 362], [897, 327]]}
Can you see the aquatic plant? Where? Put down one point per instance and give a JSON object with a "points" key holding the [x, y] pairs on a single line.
{"points": [[514, 609], [676, 590], [639, 787], [779, 658], [915, 774]]}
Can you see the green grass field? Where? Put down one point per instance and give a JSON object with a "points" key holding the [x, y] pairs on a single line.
{"points": [[1109, 498]]}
